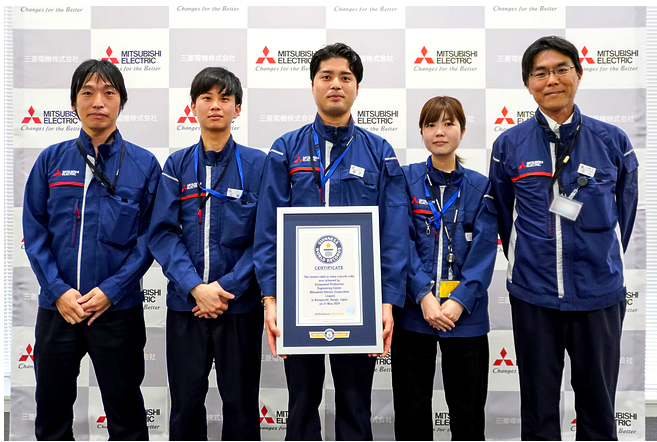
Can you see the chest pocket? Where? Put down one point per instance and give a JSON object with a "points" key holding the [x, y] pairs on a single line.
{"points": [[238, 222], [366, 186], [599, 210], [119, 220]]}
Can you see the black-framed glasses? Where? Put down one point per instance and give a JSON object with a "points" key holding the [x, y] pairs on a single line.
{"points": [[542, 74]]}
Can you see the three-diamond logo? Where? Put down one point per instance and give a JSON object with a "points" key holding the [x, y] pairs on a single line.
{"points": [[109, 56], [585, 52], [264, 416], [192, 118], [261, 60], [27, 356], [504, 117], [424, 57], [30, 111], [499, 362]]}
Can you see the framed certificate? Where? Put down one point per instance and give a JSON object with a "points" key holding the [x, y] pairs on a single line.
{"points": [[328, 280]]}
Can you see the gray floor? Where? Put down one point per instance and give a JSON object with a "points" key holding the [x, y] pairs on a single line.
{"points": [[651, 427]]}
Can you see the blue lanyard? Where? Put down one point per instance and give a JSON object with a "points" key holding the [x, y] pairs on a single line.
{"points": [[326, 175], [239, 169], [438, 214]]}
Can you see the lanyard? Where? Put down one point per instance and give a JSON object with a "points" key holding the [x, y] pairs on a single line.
{"points": [[562, 157], [202, 201], [97, 172], [438, 215], [324, 175]]}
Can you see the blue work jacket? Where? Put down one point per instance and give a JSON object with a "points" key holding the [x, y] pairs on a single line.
{"points": [[368, 175], [555, 262], [214, 242], [77, 234], [474, 244]]}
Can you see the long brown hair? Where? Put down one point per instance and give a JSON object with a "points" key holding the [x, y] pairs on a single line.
{"points": [[437, 107]]}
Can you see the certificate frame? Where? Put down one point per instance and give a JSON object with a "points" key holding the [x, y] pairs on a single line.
{"points": [[356, 286]]}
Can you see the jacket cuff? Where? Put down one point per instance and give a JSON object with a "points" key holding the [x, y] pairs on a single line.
{"points": [[463, 296], [417, 286], [56, 290], [424, 290], [393, 297], [268, 289], [111, 290], [228, 283], [187, 284]]}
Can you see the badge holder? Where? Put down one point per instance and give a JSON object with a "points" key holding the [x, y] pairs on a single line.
{"points": [[567, 206]]}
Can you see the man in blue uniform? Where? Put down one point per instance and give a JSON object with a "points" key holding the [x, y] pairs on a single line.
{"points": [[565, 186], [361, 170], [202, 235], [86, 213]]}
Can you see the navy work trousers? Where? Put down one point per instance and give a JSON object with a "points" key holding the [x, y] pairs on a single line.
{"points": [[115, 342], [592, 339], [234, 342]]}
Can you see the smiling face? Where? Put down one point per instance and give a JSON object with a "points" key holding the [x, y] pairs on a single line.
{"points": [[334, 89], [215, 110], [98, 105], [554, 95]]}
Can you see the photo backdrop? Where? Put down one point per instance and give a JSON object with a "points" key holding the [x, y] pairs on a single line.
{"points": [[410, 54]]}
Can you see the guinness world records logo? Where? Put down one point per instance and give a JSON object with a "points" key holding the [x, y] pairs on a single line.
{"points": [[328, 249]]}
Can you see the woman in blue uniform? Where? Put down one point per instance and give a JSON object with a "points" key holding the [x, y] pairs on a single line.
{"points": [[452, 254]]}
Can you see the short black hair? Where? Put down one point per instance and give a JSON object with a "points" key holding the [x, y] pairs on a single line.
{"points": [[543, 44], [337, 50], [106, 70], [222, 78]]}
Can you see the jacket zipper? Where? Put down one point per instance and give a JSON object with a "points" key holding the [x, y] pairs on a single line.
{"points": [[77, 220]]}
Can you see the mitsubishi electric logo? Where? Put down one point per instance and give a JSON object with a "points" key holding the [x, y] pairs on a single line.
{"points": [[507, 118], [192, 118], [284, 60], [31, 117], [424, 57], [446, 60], [264, 416], [133, 59], [503, 361], [609, 60], [508, 362], [585, 52], [109, 56], [26, 357], [55, 117], [273, 421], [265, 52], [504, 117]]}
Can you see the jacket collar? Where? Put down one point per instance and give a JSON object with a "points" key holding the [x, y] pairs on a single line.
{"points": [[336, 135], [104, 150], [442, 178], [212, 158], [566, 131]]}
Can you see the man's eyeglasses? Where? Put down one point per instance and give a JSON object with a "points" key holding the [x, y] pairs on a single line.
{"points": [[542, 74]]}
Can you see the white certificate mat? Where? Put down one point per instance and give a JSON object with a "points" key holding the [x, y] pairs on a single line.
{"points": [[329, 280]]}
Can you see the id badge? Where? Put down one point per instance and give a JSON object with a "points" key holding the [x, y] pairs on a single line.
{"points": [[234, 193], [447, 287], [566, 207]]}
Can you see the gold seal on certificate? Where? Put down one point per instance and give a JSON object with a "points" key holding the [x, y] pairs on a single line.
{"points": [[329, 285]]}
